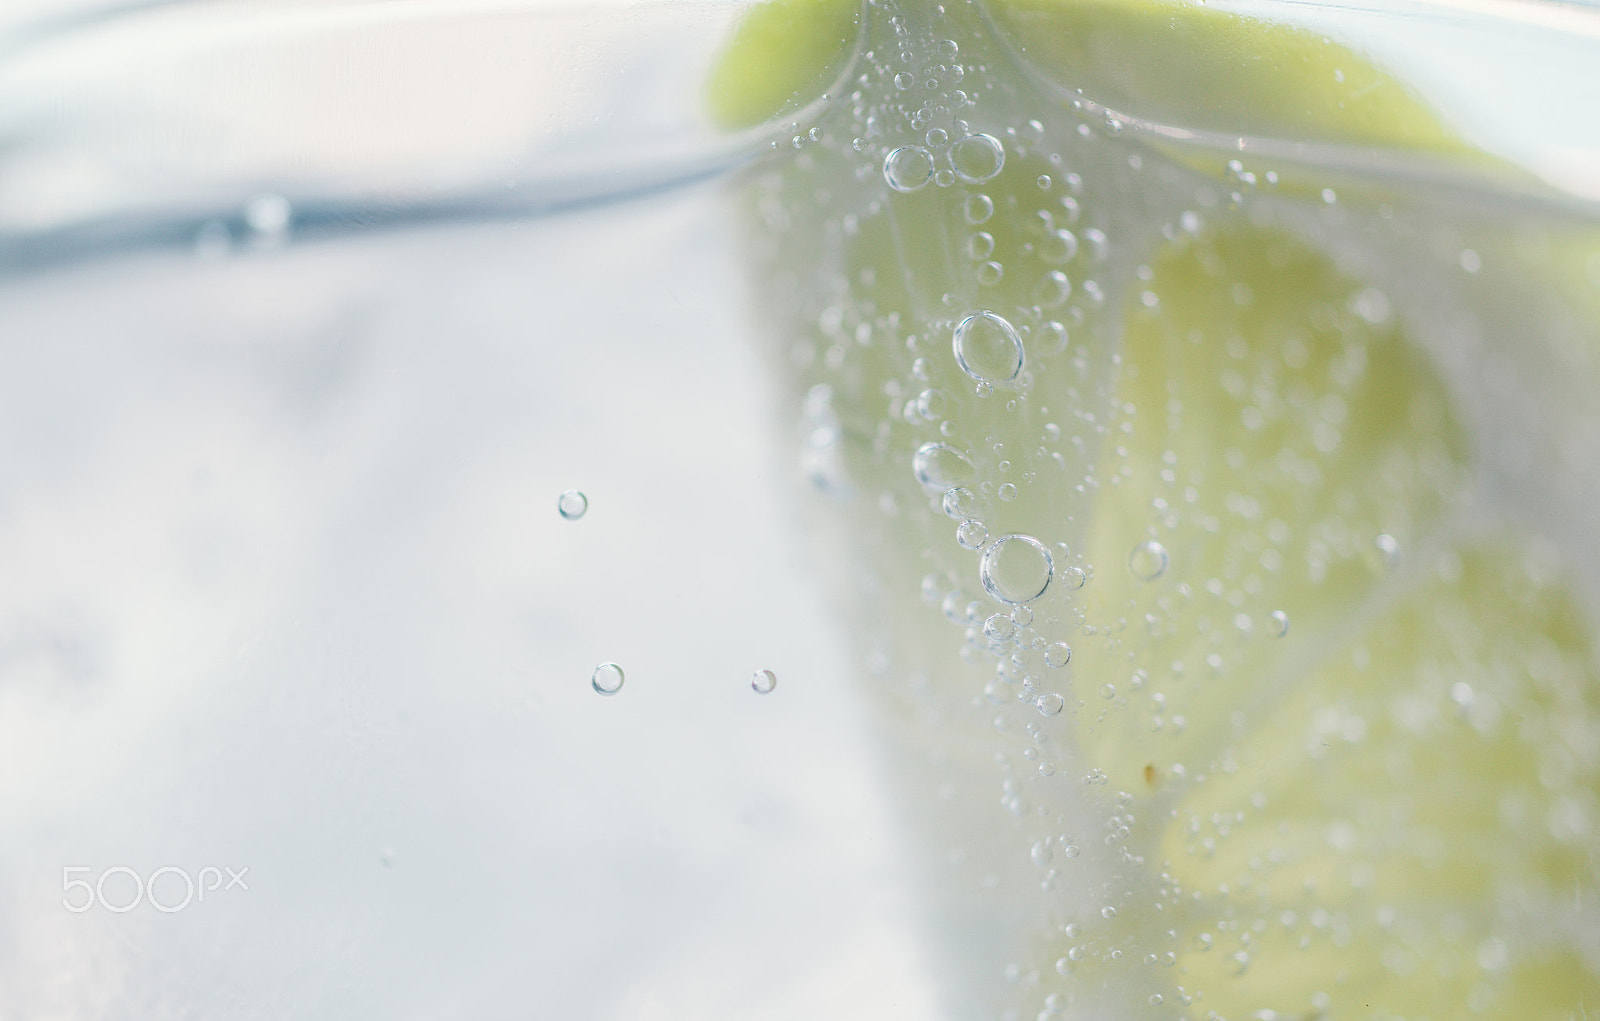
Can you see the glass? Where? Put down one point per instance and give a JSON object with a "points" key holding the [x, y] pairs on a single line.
{"points": [[318, 313]]}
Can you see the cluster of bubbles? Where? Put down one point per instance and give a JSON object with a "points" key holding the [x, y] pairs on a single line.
{"points": [[971, 159]]}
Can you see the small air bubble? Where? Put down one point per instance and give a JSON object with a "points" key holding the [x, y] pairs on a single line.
{"points": [[988, 348], [1099, 244], [978, 209], [904, 80], [1058, 654], [1053, 289], [1059, 246], [1007, 491], [998, 627], [1050, 704], [1016, 569], [1280, 623], [1043, 181], [572, 504], [763, 681], [972, 533], [1052, 340], [607, 678], [1108, 690], [977, 158], [990, 273], [959, 503], [1148, 560], [938, 467], [1389, 547], [908, 168], [268, 217]]}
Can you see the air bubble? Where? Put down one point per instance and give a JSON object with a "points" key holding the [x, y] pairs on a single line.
{"points": [[990, 273], [1059, 246], [980, 245], [572, 504], [948, 49], [988, 348], [763, 681], [1099, 244], [1058, 655], [977, 158], [978, 209], [1050, 705], [998, 627], [1148, 560], [904, 80], [1053, 289], [936, 137], [1280, 623], [972, 533], [607, 678], [1007, 491], [1052, 341], [959, 503], [940, 467], [908, 168], [1016, 569], [1108, 690], [1389, 546], [268, 218]]}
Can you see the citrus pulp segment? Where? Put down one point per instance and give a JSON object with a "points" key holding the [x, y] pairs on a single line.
{"points": [[1219, 682]]}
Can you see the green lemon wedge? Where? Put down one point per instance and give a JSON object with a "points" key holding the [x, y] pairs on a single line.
{"points": [[1222, 671]]}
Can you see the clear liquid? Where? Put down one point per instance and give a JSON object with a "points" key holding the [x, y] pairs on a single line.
{"points": [[291, 590]]}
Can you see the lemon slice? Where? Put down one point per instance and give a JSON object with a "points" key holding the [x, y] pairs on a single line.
{"points": [[1220, 679]]}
